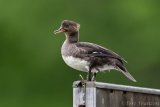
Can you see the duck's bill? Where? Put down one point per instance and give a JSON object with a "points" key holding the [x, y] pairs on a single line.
{"points": [[59, 30]]}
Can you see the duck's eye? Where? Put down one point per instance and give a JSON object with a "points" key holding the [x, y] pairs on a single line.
{"points": [[67, 25]]}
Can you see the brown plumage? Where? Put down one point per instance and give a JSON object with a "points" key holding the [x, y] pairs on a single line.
{"points": [[86, 56]]}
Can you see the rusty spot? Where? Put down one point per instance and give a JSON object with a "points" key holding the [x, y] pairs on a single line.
{"points": [[81, 106], [124, 92], [111, 90]]}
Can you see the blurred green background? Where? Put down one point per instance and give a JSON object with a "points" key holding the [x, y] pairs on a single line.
{"points": [[32, 72]]}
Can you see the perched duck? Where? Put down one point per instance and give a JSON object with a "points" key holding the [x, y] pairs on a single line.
{"points": [[88, 57]]}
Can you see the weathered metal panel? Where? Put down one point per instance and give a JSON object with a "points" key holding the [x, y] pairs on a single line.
{"points": [[79, 97], [96, 94], [90, 97], [126, 88], [118, 98]]}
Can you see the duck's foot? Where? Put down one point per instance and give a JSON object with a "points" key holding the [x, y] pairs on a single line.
{"points": [[89, 76], [81, 77], [94, 77], [81, 83]]}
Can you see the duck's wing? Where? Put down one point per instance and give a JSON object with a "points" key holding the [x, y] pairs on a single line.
{"points": [[94, 50]]}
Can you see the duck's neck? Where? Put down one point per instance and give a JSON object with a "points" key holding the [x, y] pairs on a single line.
{"points": [[72, 37]]}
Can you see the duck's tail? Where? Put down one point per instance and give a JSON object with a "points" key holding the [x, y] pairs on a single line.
{"points": [[122, 69]]}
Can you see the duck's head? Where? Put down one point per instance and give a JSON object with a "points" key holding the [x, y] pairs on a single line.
{"points": [[68, 26]]}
